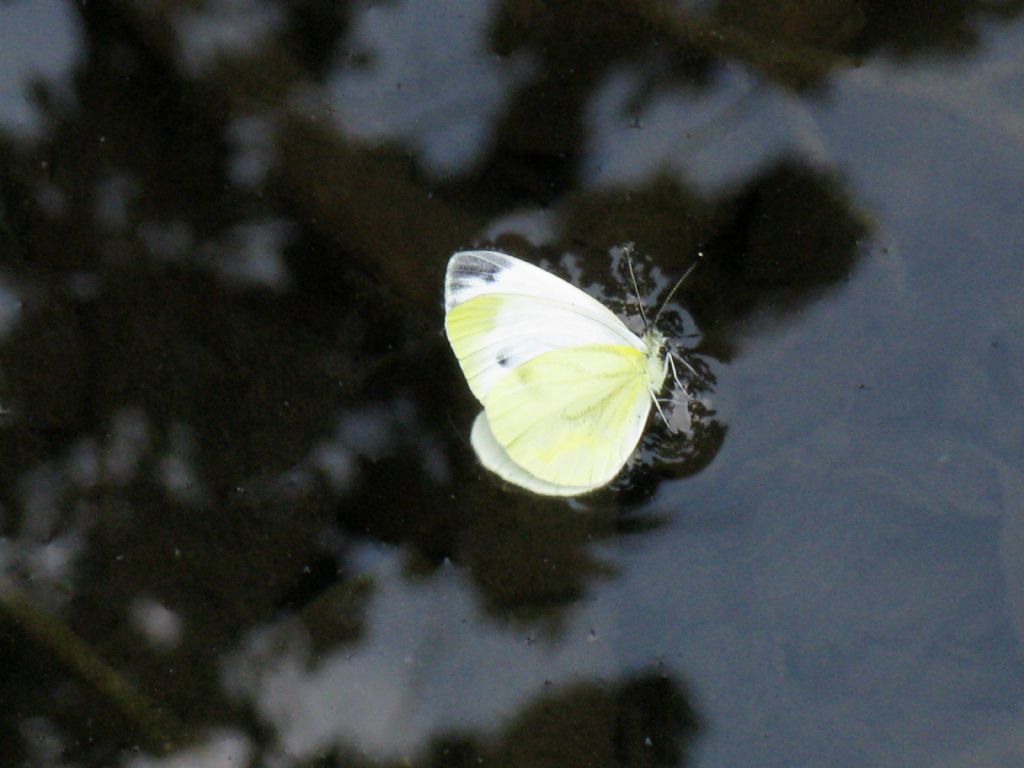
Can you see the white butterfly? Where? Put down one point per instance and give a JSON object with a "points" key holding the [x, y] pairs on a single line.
{"points": [[566, 386]]}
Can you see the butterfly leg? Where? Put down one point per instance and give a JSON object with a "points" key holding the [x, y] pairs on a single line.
{"points": [[675, 372], [657, 405], [671, 362]]}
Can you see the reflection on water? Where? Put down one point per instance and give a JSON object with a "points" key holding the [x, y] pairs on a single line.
{"points": [[240, 522], [219, 749], [42, 42], [430, 663], [441, 101]]}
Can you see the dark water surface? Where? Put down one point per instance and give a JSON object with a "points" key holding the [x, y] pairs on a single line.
{"points": [[240, 521]]}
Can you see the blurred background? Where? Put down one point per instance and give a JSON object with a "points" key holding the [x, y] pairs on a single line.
{"points": [[240, 521]]}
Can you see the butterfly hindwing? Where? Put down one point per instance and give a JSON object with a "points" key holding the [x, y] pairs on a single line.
{"points": [[572, 417], [497, 460]]}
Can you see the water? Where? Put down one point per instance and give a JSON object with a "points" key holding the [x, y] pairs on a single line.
{"points": [[240, 521]]}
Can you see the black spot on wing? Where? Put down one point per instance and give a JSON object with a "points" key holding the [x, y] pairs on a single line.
{"points": [[503, 360]]}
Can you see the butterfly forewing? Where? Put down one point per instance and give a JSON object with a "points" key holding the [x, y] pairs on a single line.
{"points": [[495, 333], [480, 273]]}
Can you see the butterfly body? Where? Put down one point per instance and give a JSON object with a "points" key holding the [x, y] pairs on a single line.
{"points": [[566, 387]]}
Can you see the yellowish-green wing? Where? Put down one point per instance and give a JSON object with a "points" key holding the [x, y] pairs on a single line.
{"points": [[495, 333], [502, 312], [497, 460], [571, 417]]}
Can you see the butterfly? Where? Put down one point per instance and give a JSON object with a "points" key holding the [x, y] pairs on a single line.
{"points": [[566, 387]]}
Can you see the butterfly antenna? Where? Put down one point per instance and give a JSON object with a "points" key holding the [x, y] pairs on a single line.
{"points": [[677, 286], [636, 291]]}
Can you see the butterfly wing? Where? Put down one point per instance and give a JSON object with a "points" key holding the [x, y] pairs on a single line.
{"points": [[497, 460], [502, 312], [567, 420]]}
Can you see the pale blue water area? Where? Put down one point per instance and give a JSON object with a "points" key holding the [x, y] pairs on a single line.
{"points": [[240, 520]]}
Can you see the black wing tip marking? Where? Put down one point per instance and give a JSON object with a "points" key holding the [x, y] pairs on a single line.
{"points": [[469, 268], [477, 265]]}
